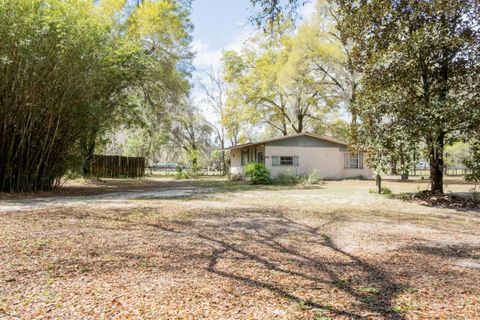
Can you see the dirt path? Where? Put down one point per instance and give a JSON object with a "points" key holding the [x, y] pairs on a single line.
{"points": [[109, 200]]}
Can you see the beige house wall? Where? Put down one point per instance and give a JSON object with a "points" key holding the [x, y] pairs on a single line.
{"points": [[324, 160], [236, 161]]}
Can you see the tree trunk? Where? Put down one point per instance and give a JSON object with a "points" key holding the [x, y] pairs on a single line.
{"points": [[224, 163], [87, 160], [436, 163], [300, 123], [88, 149]]}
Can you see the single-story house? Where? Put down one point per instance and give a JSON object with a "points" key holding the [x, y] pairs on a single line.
{"points": [[301, 154]]}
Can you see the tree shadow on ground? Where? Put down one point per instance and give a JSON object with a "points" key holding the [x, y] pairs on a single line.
{"points": [[267, 251], [318, 270], [452, 251]]}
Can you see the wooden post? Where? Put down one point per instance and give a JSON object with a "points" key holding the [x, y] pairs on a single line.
{"points": [[378, 181]]}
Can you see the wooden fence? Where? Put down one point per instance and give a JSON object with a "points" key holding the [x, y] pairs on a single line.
{"points": [[103, 166]]}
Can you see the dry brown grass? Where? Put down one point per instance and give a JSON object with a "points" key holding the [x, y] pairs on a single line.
{"points": [[241, 252]]}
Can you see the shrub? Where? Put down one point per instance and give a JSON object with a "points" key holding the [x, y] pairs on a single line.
{"points": [[314, 178], [181, 174], [286, 179], [257, 173]]}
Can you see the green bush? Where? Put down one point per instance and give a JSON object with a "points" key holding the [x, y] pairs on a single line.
{"points": [[287, 179], [257, 173], [181, 174]]}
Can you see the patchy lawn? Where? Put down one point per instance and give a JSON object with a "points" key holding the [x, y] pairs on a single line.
{"points": [[230, 251]]}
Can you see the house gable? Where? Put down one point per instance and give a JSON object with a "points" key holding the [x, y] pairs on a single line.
{"points": [[303, 141]]}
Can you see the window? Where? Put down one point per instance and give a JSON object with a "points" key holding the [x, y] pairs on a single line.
{"points": [[260, 157], [284, 161], [353, 161]]}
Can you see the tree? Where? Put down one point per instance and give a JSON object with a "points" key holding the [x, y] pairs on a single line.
{"points": [[328, 55], [275, 87], [188, 131], [59, 62], [420, 71], [162, 30], [68, 68], [214, 90]]}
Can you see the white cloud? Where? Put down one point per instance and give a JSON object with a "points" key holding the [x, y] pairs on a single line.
{"points": [[207, 56], [308, 10]]}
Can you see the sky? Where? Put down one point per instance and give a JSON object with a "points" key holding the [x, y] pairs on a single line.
{"points": [[222, 25], [219, 25]]}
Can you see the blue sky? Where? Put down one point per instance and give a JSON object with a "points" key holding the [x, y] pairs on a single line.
{"points": [[219, 25]]}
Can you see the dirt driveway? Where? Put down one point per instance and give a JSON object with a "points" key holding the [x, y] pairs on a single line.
{"points": [[219, 250]]}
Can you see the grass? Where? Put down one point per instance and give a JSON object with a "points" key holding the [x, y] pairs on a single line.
{"points": [[242, 252]]}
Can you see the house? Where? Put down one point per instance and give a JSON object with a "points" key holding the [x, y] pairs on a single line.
{"points": [[300, 154]]}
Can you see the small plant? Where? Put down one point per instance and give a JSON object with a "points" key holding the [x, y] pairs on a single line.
{"points": [[386, 191], [341, 283], [181, 174], [314, 178], [397, 309], [304, 305], [257, 173], [476, 195]]}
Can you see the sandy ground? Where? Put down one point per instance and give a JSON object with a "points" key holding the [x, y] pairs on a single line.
{"points": [[211, 249]]}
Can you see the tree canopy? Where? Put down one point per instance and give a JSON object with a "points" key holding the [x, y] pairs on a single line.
{"points": [[274, 79], [69, 67]]}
